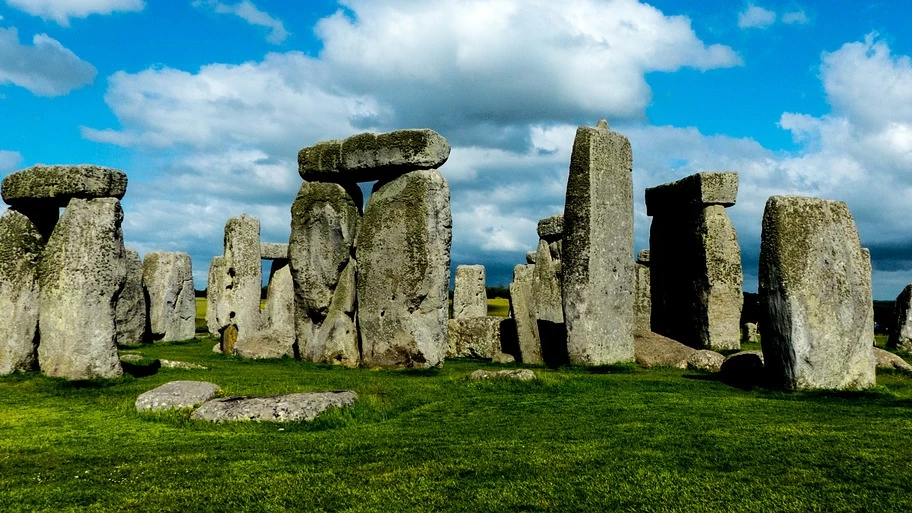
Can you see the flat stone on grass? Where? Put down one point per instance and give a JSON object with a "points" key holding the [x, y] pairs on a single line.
{"points": [[283, 408], [176, 395], [517, 374]]}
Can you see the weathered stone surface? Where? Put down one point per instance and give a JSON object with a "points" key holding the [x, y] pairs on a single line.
{"points": [[239, 302], [404, 270], [503, 358], [20, 250], [556, 250], [55, 185], [176, 395], [368, 157], [266, 344], [693, 192], [283, 408], [474, 337], [176, 364], [168, 280], [597, 264], [470, 298], [280, 309], [889, 361], [325, 221], [130, 318], [696, 277], [749, 332], [522, 310], [215, 288], [744, 369], [652, 350], [273, 251], [817, 321], [643, 257], [81, 273], [642, 298], [551, 228], [548, 307], [228, 339], [901, 331], [531, 256], [705, 360], [517, 374]]}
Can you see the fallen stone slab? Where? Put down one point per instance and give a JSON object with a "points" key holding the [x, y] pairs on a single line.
{"points": [[176, 395], [889, 361], [695, 191], [266, 344], [654, 350], [174, 364], [58, 184], [368, 157], [304, 406], [705, 360], [517, 374]]}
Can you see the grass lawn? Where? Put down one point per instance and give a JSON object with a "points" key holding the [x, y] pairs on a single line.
{"points": [[499, 307], [576, 440]]}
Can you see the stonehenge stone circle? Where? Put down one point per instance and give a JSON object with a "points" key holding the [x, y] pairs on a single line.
{"points": [[901, 331], [642, 293], [81, 274], [239, 301], [168, 280], [470, 297], [130, 314], [817, 323], [522, 310], [61, 183], [368, 157], [695, 261], [21, 245], [403, 254], [597, 266], [325, 220]]}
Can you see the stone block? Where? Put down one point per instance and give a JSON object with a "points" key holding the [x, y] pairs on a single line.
{"points": [[53, 186], [475, 337], [130, 317], [168, 280], [21, 245], [470, 297], [694, 192], [273, 251], [551, 228], [239, 304]]}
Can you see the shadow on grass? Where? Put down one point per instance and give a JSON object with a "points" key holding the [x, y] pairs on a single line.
{"points": [[141, 370], [616, 368]]}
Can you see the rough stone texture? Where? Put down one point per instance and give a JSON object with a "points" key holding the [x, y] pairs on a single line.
{"points": [[696, 277], [239, 304], [705, 360], [522, 310], [548, 307], [283, 408], [273, 251], [176, 395], [280, 309], [53, 186], [749, 332], [325, 221], [901, 331], [81, 275], [130, 319], [817, 321], [404, 271], [744, 369], [597, 266], [652, 350], [176, 364], [551, 228], [693, 193], [475, 337], [643, 257], [215, 290], [368, 157], [470, 298], [642, 298], [266, 344], [889, 361], [503, 358], [20, 250], [168, 280], [531, 256], [517, 374], [228, 339]]}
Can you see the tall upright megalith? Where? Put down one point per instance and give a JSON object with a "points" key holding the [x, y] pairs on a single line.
{"points": [[81, 275], [168, 280], [239, 299], [469, 294], [597, 263], [131, 305], [817, 325], [642, 296], [901, 331], [20, 250], [695, 261]]}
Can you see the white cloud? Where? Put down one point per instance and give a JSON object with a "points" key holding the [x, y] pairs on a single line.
{"points": [[61, 11], [754, 16], [249, 12], [9, 161], [795, 18], [45, 68]]}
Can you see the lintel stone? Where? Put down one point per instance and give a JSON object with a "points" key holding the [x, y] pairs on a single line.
{"points": [[59, 183], [273, 251], [695, 191], [551, 228]]}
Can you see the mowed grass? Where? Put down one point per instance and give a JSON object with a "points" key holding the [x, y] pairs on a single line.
{"points": [[607, 439]]}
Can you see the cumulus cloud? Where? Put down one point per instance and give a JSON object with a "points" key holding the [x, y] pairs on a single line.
{"points": [[754, 16], [45, 68], [249, 12], [61, 11], [795, 18]]}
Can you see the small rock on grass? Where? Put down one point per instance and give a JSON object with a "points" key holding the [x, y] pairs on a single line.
{"points": [[173, 364], [888, 360], [176, 395], [517, 374], [705, 360]]}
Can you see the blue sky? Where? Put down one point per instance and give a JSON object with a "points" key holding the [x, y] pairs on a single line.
{"points": [[204, 104]]}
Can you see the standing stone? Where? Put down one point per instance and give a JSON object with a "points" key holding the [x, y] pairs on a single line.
{"points": [[240, 301], [522, 310], [168, 279], [325, 220], [81, 275], [404, 268], [280, 308], [548, 306], [475, 337], [901, 331], [817, 323], [551, 229], [597, 267], [749, 332], [695, 261], [642, 296], [216, 286], [470, 298], [20, 249], [131, 305]]}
